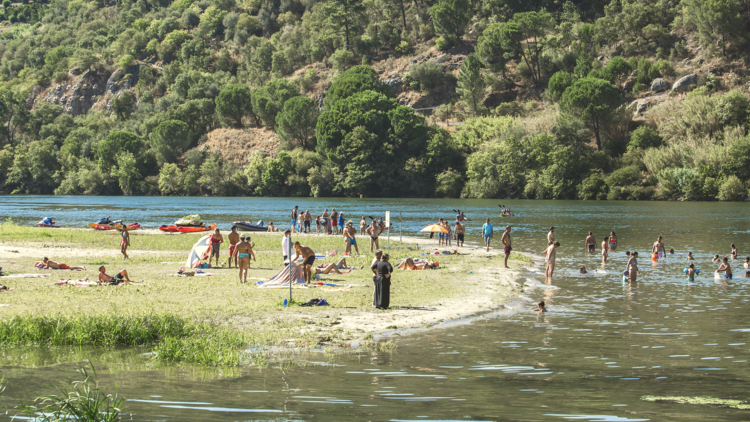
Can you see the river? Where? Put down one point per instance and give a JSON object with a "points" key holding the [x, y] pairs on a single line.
{"points": [[600, 348]]}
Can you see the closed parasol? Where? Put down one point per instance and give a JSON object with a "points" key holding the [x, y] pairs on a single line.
{"points": [[435, 228], [199, 252]]}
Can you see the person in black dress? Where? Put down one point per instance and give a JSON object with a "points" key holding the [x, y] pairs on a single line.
{"points": [[382, 297]]}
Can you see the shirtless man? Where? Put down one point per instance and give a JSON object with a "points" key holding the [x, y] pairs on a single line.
{"points": [[658, 248], [308, 221], [506, 242], [349, 233], [307, 264], [216, 240], [362, 226], [551, 235], [460, 230], [374, 267], [49, 264], [242, 256], [333, 226], [726, 268], [234, 238], [374, 232], [551, 254], [104, 278], [590, 242]]}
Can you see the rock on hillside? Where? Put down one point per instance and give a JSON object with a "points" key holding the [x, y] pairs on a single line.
{"points": [[237, 145], [77, 95]]}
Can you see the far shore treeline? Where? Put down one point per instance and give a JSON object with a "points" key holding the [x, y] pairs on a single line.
{"points": [[620, 99]]}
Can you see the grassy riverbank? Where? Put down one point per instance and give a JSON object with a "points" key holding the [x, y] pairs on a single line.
{"points": [[213, 316]]}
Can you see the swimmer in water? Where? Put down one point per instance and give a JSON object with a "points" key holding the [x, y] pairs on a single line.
{"points": [[540, 307], [658, 248], [671, 251], [726, 268], [691, 272], [605, 248], [627, 253], [747, 267], [733, 254], [590, 242], [632, 268], [583, 270], [690, 256], [716, 258]]}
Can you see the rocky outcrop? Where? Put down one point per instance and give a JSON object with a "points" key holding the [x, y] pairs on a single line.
{"points": [[683, 84], [76, 97], [659, 85]]}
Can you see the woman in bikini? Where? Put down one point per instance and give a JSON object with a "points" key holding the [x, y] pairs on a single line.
{"points": [[242, 255], [733, 254], [612, 241], [125, 241], [410, 264], [632, 267], [362, 226]]}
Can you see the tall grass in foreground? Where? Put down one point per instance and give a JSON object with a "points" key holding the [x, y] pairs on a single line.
{"points": [[174, 339], [81, 401]]}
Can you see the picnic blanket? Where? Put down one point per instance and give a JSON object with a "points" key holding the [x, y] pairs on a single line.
{"points": [[26, 275], [282, 279]]}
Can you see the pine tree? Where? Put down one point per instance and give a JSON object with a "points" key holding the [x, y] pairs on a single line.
{"points": [[471, 86]]}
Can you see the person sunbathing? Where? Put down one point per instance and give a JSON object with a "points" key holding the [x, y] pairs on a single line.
{"points": [[4, 288], [410, 264], [104, 278], [52, 265], [336, 268]]}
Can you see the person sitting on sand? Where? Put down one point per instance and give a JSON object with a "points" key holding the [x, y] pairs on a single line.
{"points": [[104, 278], [271, 228], [540, 307], [336, 268], [52, 265], [410, 264], [583, 270]]}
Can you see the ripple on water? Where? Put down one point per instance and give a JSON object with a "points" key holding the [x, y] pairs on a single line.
{"points": [[597, 418]]}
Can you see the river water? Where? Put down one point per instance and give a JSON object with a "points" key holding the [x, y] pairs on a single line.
{"points": [[600, 348]]}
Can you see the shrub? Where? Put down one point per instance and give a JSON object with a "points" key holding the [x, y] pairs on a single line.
{"points": [[643, 193], [593, 187], [426, 76], [732, 108], [403, 47], [644, 138], [341, 59], [449, 184], [732, 189], [443, 44], [625, 176], [558, 83], [617, 193]]}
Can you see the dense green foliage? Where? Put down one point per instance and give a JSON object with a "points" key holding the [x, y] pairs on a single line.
{"points": [[161, 75]]}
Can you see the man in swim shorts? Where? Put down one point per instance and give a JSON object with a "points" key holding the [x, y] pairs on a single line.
{"points": [[551, 235], [459, 230], [551, 254], [333, 222], [49, 264], [234, 238], [506, 242], [590, 242], [487, 232], [307, 264], [243, 251], [374, 232], [349, 233], [216, 240], [104, 278], [308, 221], [293, 215], [658, 248]]}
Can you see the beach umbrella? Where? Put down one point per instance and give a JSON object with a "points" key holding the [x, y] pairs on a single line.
{"points": [[435, 228], [198, 252]]}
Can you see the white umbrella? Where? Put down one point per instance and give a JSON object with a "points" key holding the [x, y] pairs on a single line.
{"points": [[198, 252]]}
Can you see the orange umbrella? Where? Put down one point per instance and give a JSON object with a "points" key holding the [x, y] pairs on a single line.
{"points": [[435, 228]]}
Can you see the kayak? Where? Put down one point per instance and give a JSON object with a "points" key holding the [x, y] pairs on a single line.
{"points": [[52, 225], [132, 226], [246, 226], [168, 228], [184, 229]]}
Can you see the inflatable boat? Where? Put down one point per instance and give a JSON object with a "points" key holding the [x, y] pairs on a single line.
{"points": [[246, 226], [47, 222], [190, 221], [187, 229]]}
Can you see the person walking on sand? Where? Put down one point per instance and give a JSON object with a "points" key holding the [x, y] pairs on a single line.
{"points": [[349, 233], [590, 242], [449, 235], [293, 215], [383, 283], [50, 264], [459, 230], [125, 241], [286, 245], [506, 243], [374, 232], [551, 254], [216, 240], [487, 232], [658, 248], [307, 264], [441, 235], [104, 278], [551, 235], [234, 238], [242, 255]]}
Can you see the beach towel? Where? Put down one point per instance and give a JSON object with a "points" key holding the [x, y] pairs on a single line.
{"points": [[26, 275], [315, 302], [282, 279], [195, 275], [77, 283]]}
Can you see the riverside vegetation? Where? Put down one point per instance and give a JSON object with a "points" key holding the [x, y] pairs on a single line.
{"points": [[564, 74], [206, 320]]}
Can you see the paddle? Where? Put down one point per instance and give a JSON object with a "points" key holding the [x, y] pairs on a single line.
{"points": [[464, 217]]}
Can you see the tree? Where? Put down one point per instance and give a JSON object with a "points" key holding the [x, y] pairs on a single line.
{"points": [[126, 172], [13, 113], [490, 47], [343, 14], [269, 100], [116, 142], [85, 59], [593, 101], [233, 104], [295, 124], [558, 83], [450, 17], [123, 104], [170, 179], [169, 140], [718, 21], [356, 79], [471, 86]]}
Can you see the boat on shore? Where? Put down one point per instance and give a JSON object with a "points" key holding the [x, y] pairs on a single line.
{"points": [[115, 225], [188, 229], [47, 222], [246, 226]]}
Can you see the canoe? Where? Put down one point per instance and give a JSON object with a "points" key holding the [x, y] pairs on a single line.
{"points": [[183, 229], [246, 226], [132, 226], [168, 228]]}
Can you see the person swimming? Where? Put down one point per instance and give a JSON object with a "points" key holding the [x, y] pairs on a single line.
{"points": [[690, 256], [716, 258], [733, 254], [583, 270], [691, 272], [540, 307]]}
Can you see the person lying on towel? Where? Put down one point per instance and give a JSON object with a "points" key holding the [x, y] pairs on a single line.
{"points": [[52, 265], [418, 264], [104, 278]]}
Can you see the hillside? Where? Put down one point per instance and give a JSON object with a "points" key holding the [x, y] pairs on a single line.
{"points": [[596, 100]]}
